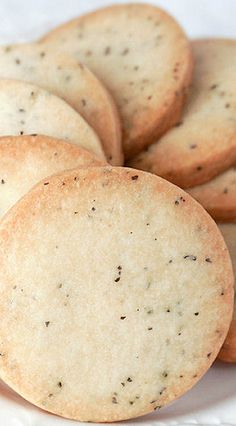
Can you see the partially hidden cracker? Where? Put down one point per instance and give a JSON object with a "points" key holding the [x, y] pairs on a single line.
{"points": [[25, 160], [72, 81], [27, 109], [203, 142], [218, 196], [143, 57]]}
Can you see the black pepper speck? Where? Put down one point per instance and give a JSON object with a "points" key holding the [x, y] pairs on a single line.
{"points": [[179, 200], [190, 257]]}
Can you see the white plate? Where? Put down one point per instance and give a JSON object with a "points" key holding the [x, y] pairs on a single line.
{"points": [[213, 400]]}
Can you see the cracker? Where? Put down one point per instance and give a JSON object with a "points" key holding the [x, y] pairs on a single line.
{"points": [[72, 81], [142, 56], [203, 143], [25, 160], [116, 294], [218, 196], [28, 109], [228, 350]]}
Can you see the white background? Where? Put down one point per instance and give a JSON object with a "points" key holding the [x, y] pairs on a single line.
{"points": [[28, 19], [213, 400]]}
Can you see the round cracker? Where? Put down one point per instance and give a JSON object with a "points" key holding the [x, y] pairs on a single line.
{"points": [[203, 143], [142, 56], [116, 294], [25, 160], [228, 350], [218, 196], [72, 81], [28, 109]]}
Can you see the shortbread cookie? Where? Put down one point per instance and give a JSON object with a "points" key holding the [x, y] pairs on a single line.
{"points": [[218, 196], [116, 294], [142, 56], [203, 143], [69, 79], [28, 109], [25, 160], [228, 351]]}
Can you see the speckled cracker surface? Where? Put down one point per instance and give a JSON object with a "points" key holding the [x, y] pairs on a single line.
{"points": [[203, 143], [228, 350], [28, 109], [25, 160], [72, 81], [142, 56], [218, 196], [104, 329]]}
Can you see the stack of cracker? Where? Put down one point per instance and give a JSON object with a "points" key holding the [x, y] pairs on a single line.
{"points": [[116, 286]]}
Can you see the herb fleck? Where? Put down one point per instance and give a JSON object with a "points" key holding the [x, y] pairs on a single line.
{"points": [[107, 51], [114, 400], [179, 124], [213, 86], [124, 52]]}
